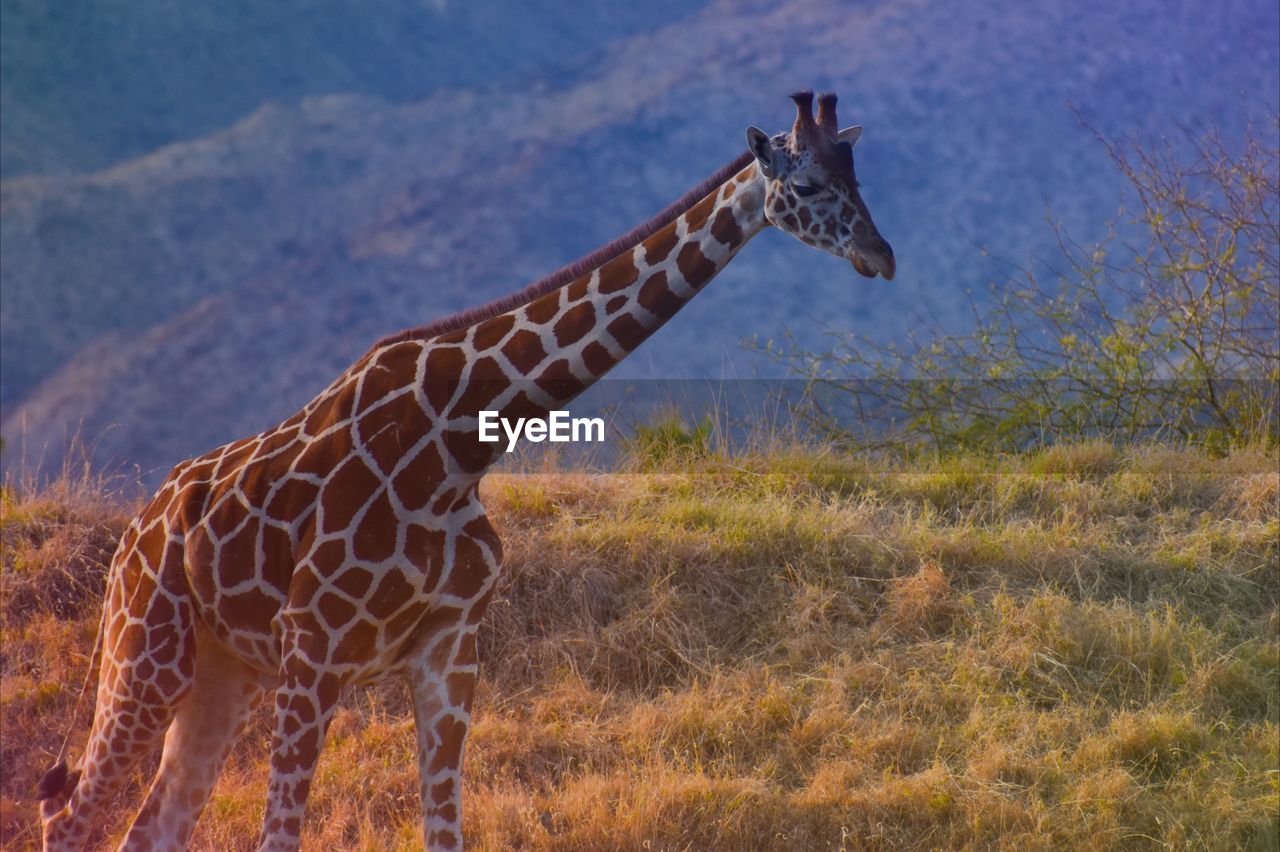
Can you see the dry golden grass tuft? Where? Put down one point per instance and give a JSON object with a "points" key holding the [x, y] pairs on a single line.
{"points": [[922, 603], [1076, 648]]}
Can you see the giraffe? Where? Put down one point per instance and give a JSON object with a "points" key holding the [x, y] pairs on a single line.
{"points": [[348, 544]]}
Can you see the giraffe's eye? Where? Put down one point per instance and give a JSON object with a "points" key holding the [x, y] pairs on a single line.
{"points": [[804, 190]]}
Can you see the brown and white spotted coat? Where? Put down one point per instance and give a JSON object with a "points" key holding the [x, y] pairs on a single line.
{"points": [[348, 544]]}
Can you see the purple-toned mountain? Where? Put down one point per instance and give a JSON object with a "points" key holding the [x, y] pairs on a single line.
{"points": [[199, 292]]}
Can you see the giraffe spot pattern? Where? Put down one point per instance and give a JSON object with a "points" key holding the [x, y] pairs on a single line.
{"points": [[354, 581], [697, 216], [443, 502], [618, 274], [694, 265], [578, 289], [470, 573], [442, 792], [558, 381], [657, 247], [389, 432], [239, 555], [442, 363], [575, 324], [345, 493], [375, 537], [596, 358], [334, 410], [467, 452], [725, 229], [391, 593], [357, 643], [524, 350], [491, 333], [627, 332], [249, 609], [416, 482], [541, 311], [657, 298], [407, 618], [334, 610], [479, 387], [319, 458]]}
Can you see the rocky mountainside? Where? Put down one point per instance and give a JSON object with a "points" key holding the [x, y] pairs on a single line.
{"points": [[186, 294], [87, 85]]}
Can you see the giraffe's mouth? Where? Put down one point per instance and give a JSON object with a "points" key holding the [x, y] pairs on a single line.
{"points": [[862, 267], [883, 265]]}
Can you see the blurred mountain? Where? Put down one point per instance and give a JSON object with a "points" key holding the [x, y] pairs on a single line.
{"points": [[86, 84], [168, 285]]}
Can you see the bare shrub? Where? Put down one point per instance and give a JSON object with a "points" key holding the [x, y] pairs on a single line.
{"points": [[1177, 335]]}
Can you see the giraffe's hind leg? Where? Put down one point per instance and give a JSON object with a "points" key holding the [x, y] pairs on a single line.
{"points": [[196, 747], [147, 667]]}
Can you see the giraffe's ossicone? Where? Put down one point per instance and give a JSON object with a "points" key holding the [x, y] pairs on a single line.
{"points": [[348, 544]]}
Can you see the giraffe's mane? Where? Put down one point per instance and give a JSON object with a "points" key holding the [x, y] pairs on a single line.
{"points": [[470, 316]]}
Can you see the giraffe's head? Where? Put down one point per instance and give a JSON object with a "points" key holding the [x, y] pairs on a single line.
{"points": [[811, 190]]}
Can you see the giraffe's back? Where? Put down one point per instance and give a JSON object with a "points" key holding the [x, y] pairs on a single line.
{"points": [[343, 510]]}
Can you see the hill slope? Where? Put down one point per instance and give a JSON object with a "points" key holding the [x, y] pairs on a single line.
{"points": [[85, 91], [1068, 650], [205, 289]]}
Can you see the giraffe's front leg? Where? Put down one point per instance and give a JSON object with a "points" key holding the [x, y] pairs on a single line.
{"points": [[442, 674], [305, 701], [442, 686]]}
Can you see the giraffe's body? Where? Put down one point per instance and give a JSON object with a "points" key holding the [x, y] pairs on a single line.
{"points": [[348, 544]]}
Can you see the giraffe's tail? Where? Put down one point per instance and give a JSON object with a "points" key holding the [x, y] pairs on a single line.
{"points": [[58, 782]]}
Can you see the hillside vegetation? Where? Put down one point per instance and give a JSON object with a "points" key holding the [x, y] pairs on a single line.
{"points": [[1073, 649]]}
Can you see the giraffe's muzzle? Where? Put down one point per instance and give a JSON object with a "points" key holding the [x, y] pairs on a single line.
{"points": [[876, 261]]}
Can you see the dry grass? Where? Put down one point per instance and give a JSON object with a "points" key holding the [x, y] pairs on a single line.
{"points": [[1073, 649]]}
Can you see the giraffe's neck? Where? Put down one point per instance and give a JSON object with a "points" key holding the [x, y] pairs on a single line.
{"points": [[540, 356]]}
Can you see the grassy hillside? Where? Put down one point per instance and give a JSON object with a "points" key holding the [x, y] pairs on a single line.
{"points": [[1074, 649]]}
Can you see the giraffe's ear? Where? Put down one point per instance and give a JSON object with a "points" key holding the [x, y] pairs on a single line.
{"points": [[850, 135], [762, 149]]}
